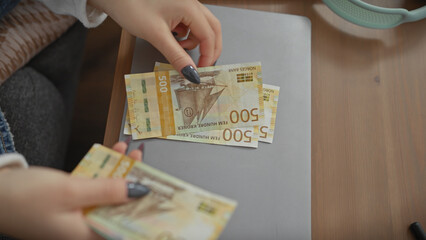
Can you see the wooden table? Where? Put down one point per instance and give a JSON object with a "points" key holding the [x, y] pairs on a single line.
{"points": [[368, 120]]}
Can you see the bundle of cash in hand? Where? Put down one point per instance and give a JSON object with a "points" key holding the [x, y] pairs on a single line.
{"points": [[231, 106], [173, 209]]}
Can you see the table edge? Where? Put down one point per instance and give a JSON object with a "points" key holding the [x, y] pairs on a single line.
{"points": [[116, 106]]}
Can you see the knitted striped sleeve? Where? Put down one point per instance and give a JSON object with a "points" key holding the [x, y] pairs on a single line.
{"points": [[25, 31]]}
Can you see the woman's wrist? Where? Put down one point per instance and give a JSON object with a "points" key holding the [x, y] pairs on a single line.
{"points": [[4, 169], [5, 173]]}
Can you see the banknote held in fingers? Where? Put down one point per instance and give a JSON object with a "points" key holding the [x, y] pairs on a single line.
{"points": [[172, 209]]}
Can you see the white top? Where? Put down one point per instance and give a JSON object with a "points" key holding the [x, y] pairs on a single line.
{"points": [[88, 15], [14, 160]]}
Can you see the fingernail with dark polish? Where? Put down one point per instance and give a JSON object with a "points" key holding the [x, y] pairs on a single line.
{"points": [[191, 74], [128, 139], [136, 190], [175, 34], [141, 147]]}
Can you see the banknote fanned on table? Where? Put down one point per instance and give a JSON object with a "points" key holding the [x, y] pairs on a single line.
{"points": [[173, 209], [163, 103], [242, 137], [270, 101]]}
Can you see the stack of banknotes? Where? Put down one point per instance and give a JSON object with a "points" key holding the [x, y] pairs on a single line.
{"points": [[172, 210], [231, 106]]}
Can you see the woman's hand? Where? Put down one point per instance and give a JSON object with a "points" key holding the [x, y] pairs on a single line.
{"points": [[155, 20], [43, 203]]}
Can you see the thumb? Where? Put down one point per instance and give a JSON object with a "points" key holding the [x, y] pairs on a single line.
{"points": [[165, 42], [93, 192]]}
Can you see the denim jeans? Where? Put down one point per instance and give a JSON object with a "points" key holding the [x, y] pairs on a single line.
{"points": [[6, 144]]}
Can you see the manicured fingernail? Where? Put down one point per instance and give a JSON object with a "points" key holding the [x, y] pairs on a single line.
{"points": [[191, 74], [175, 34], [136, 190], [127, 141], [141, 147]]}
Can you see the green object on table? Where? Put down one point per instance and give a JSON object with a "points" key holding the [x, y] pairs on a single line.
{"points": [[367, 15]]}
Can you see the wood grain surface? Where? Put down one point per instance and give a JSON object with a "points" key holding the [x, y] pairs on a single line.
{"points": [[118, 95], [368, 120]]}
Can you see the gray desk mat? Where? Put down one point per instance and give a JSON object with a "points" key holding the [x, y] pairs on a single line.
{"points": [[272, 184]]}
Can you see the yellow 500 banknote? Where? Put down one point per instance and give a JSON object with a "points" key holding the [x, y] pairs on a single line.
{"points": [[270, 100], [242, 137], [163, 103], [173, 209]]}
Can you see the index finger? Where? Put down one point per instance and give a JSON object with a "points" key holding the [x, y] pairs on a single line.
{"points": [[217, 28], [162, 39], [201, 29]]}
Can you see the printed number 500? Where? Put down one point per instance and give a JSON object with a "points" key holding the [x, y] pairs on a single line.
{"points": [[237, 135], [244, 115], [163, 83]]}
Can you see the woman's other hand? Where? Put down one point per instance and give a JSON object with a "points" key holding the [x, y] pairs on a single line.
{"points": [[43, 203]]}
